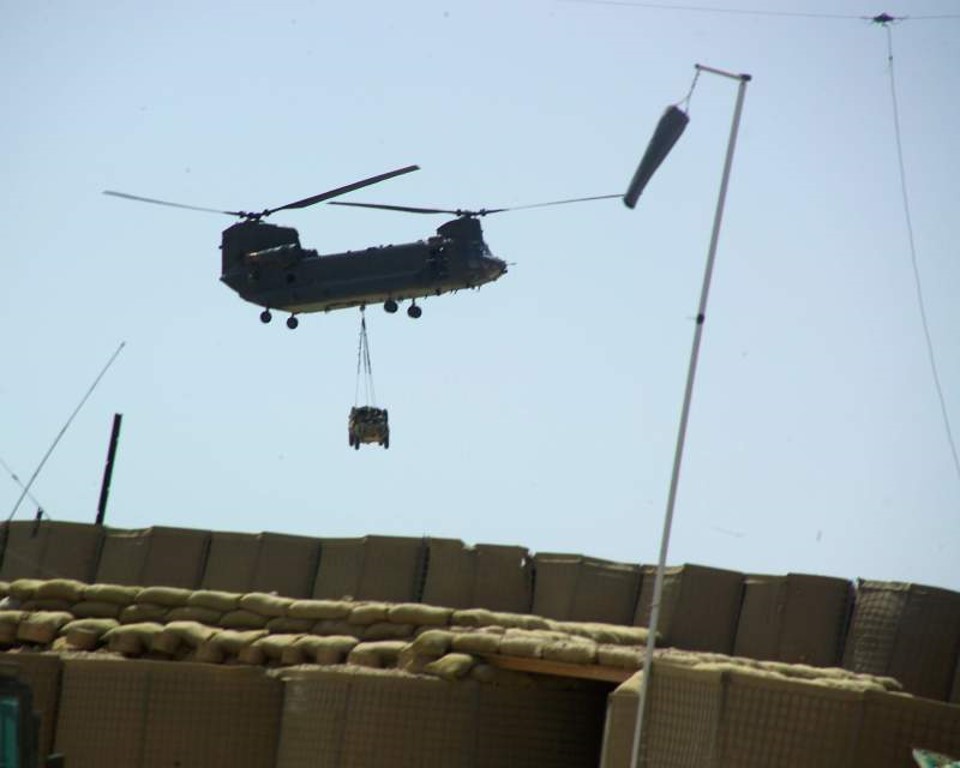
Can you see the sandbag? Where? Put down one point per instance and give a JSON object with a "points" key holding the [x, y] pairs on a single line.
{"points": [[214, 600], [42, 627], [69, 590], [111, 593], [95, 609], [319, 609]]}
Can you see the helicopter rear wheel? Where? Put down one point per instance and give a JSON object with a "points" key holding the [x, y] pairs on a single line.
{"points": [[265, 316], [414, 311], [292, 322], [390, 306]]}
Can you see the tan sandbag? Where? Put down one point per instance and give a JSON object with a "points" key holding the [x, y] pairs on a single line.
{"points": [[172, 597], [214, 600], [368, 613], [252, 654], [111, 593], [86, 634], [208, 616], [132, 639], [182, 634], [336, 627], [452, 666], [412, 661], [377, 655], [9, 622], [70, 590], [572, 651], [263, 604], [42, 627], [24, 589], [274, 645], [473, 617], [138, 613], [520, 621], [527, 645], [419, 615], [243, 619], [610, 634], [476, 642], [96, 609], [619, 656], [52, 604], [327, 650], [434, 641], [386, 630], [4, 589], [287, 626], [318, 610], [209, 652], [232, 641]]}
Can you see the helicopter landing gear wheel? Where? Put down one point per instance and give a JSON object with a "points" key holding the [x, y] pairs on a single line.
{"points": [[390, 306], [292, 322], [265, 316], [414, 311]]}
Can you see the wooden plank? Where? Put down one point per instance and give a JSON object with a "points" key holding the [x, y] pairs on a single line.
{"points": [[559, 668]]}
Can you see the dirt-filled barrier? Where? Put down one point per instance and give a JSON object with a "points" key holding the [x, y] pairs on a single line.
{"points": [[797, 618], [908, 631], [157, 556], [497, 577], [153, 713], [372, 718], [578, 588], [699, 607], [371, 568], [47, 550], [733, 713], [261, 562]]}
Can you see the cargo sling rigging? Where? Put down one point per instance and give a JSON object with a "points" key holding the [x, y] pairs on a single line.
{"points": [[364, 368]]}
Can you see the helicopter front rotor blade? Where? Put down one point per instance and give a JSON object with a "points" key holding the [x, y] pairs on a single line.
{"points": [[402, 208], [167, 202], [307, 201]]}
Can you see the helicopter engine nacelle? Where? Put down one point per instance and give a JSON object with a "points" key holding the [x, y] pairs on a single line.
{"points": [[248, 237]]}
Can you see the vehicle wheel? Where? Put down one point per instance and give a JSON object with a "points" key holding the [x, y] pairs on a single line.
{"points": [[292, 322], [390, 306], [414, 311], [265, 316]]}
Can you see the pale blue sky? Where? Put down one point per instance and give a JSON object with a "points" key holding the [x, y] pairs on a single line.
{"points": [[541, 410]]}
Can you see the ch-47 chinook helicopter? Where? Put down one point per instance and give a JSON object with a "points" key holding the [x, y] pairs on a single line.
{"points": [[266, 265]]}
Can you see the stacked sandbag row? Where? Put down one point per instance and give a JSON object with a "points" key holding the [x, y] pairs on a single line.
{"points": [[710, 713], [257, 628]]}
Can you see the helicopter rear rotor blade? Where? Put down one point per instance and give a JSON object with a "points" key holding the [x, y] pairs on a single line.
{"points": [[557, 202], [167, 202], [308, 201]]}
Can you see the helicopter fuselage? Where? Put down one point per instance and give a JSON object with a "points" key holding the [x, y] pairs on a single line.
{"points": [[266, 265]]}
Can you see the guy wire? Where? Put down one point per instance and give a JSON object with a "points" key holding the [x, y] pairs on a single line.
{"points": [[913, 252]]}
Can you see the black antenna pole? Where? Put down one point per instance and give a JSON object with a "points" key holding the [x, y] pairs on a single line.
{"points": [[108, 469]]}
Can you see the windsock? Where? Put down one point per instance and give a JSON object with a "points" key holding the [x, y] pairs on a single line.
{"points": [[671, 125]]}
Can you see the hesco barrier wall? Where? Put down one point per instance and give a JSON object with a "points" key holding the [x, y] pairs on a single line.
{"points": [[710, 714], [911, 632]]}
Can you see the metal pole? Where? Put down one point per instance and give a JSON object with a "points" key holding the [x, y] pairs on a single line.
{"points": [[108, 469], [684, 415]]}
